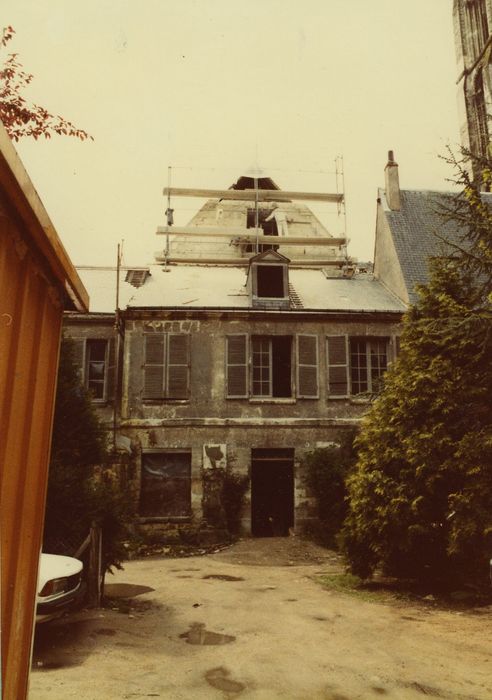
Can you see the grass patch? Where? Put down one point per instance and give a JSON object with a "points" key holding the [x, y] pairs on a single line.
{"points": [[388, 590], [371, 591]]}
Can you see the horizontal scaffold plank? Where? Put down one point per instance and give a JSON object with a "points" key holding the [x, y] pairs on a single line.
{"points": [[253, 195], [246, 235], [239, 262]]}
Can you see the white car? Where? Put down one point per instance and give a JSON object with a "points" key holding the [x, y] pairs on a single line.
{"points": [[59, 585]]}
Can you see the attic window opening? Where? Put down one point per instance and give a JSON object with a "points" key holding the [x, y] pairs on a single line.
{"points": [[270, 281], [269, 228], [137, 277]]}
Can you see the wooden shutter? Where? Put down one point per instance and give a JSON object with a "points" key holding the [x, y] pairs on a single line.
{"points": [[237, 366], [78, 354], [396, 346], [111, 369], [154, 358], [337, 361], [307, 367], [178, 365]]}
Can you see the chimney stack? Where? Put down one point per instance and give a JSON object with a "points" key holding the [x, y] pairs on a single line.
{"points": [[392, 183]]}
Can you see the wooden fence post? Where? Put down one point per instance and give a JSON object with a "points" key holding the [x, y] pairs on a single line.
{"points": [[94, 574]]}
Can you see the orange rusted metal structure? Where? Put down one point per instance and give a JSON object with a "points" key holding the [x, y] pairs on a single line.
{"points": [[37, 282]]}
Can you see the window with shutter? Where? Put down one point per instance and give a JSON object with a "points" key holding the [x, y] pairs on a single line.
{"points": [[166, 365], [368, 363], [154, 364], [237, 366], [178, 366], [337, 363], [96, 368], [111, 374], [271, 366], [307, 367]]}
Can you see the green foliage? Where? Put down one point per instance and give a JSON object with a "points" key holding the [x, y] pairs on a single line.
{"points": [[234, 487], [20, 117], [223, 498], [420, 500], [326, 473], [78, 493]]}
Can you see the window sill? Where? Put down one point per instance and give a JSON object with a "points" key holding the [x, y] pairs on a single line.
{"points": [[144, 519], [272, 399], [159, 402]]}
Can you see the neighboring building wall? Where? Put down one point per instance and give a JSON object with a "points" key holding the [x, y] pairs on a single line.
{"points": [[387, 268], [472, 25], [95, 354]]}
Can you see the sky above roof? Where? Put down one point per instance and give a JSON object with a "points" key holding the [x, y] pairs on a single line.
{"points": [[213, 87]]}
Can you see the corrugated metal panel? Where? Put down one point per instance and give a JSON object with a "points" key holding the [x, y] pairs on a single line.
{"points": [[29, 357], [36, 281]]}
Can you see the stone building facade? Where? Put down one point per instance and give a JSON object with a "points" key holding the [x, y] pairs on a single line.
{"points": [[250, 342]]}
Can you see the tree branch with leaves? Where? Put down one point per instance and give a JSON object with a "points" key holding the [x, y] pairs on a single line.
{"points": [[20, 117]]}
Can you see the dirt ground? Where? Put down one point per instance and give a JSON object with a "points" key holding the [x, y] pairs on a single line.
{"points": [[253, 622]]}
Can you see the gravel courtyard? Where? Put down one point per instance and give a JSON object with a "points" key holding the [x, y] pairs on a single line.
{"points": [[252, 622]]}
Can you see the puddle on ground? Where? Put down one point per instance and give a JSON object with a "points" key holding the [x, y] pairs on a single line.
{"points": [[125, 590], [127, 606], [223, 577], [219, 678], [105, 631], [198, 634], [424, 689]]}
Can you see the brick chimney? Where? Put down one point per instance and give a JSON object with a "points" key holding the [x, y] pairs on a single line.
{"points": [[392, 183]]}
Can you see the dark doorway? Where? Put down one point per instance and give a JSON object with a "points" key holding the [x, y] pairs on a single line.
{"points": [[272, 492]]}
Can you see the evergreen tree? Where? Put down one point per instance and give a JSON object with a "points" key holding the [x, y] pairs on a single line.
{"points": [[420, 499], [80, 487]]}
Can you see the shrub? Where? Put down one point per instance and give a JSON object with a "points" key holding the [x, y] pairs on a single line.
{"points": [[326, 472]]}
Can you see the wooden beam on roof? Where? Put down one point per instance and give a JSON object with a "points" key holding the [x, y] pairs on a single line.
{"points": [[253, 195], [244, 262], [246, 235], [215, 231]]}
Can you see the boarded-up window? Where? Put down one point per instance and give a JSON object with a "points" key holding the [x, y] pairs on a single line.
{"points": [[307, 366], [166, 484], [166, 365], [237, 366], [337, 362]]}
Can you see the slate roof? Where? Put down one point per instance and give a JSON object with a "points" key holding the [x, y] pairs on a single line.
{"points": [[414, 228], [200, 286]]}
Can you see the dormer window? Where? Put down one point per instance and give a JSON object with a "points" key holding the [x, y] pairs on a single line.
{"points": [[269, 280]]}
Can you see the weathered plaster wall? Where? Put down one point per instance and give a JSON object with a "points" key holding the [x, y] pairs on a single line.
{"points": [[239, 441], [209, 418], [386, 265], [208, 346]]}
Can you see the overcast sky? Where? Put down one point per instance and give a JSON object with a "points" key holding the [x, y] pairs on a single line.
{"points": [[212, 87]]}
